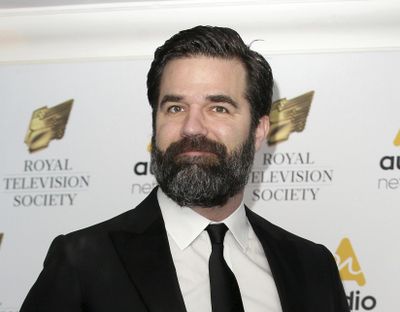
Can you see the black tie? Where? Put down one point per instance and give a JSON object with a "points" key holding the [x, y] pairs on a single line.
{"points": [[225, 293]]}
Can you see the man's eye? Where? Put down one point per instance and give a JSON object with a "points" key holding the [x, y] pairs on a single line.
{"points": [[220, 109], [174, 109]]}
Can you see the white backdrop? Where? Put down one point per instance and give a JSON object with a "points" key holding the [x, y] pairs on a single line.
{"points": [[352, 125]]}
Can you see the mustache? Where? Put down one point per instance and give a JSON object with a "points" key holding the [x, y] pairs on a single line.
{"points": [[196, 144]]}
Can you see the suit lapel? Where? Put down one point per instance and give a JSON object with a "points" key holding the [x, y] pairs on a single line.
{"points": [[283, 260], [144, 251], [146, 256]]}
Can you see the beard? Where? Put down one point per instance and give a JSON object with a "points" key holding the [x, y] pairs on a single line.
{"points": [[202, 181]]}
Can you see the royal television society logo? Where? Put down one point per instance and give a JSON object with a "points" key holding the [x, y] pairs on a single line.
{"points": [[389, 165], [287, 176], [288, 116], [47, 124], [350, 271], [47, 182]]}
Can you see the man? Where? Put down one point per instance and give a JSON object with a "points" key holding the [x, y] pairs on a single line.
{"points": [[210, 96]]}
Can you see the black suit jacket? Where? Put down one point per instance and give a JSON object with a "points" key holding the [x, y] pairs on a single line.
{"points": [[125, 265]]}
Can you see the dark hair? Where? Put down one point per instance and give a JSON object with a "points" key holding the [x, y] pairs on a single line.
{"points": [[220, 42]]}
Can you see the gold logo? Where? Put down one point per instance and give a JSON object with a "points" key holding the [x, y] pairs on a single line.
{"points": [[288, 116], [1, 238], [149, 147], [396, 141], [349, 267], [47, 124]]}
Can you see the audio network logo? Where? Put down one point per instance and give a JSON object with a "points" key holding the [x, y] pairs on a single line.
{"points": [[390, 164], [142, 169], [350, 270], [348, 264], [396, 141], [288, 116], [47, 124]]}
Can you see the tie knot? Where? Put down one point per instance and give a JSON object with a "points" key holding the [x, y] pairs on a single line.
{"points": [[217, 232]]}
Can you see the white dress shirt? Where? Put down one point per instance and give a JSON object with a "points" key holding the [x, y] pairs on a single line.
{"points": [[191, 248]]}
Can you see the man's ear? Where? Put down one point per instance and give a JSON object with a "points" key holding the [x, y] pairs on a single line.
{"points": [[261, 131]]}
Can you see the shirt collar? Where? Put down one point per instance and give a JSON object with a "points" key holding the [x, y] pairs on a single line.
{"points": [[184, 225], [239, 226]]}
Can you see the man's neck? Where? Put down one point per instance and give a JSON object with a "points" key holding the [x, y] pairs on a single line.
{"points": [[219, 213]]}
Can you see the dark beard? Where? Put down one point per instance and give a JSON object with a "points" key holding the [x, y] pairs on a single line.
{"points": [[202, 181]]}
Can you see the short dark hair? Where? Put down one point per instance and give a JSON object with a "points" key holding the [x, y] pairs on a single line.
{"points": [[219, 42]]}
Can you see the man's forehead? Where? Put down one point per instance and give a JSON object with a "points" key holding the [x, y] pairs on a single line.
{"points": [[205, 70]]}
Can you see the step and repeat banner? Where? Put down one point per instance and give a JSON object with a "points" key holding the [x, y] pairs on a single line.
{"points": [[74, 152]]}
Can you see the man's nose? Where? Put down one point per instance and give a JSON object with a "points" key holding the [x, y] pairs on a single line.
{"points": [[194, 124]]}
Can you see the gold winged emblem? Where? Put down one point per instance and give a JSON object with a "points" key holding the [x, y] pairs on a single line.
{"points": [[396, 141], [288, 116], [47, 124]]}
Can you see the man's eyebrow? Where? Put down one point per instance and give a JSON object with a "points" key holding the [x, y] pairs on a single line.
{"points": [[221, 98], [170, 98]]}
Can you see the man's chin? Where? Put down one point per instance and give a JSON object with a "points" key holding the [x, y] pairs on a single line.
{"points": [[206, 202]]}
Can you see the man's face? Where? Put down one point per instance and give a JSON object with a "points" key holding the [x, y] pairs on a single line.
{"points": [[203, 96], [202, 134]]}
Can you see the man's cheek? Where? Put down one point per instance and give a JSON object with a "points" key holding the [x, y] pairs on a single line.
{"points": [[165, 136], [161, 142]]}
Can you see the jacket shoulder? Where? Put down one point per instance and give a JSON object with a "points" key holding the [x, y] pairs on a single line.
{"points": [[95, 238], [134, 220], [288, 242]]}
